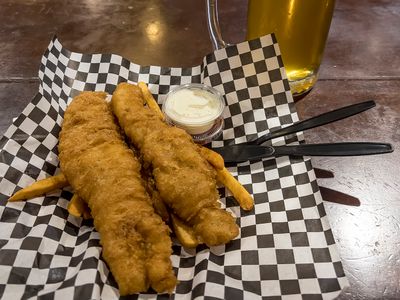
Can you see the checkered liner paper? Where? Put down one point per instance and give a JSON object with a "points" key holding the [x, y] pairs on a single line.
{"points": [[285, 249]]}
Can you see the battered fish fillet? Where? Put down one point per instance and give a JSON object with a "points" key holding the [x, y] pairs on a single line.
{"points": [[106, 174], [184, 179]]}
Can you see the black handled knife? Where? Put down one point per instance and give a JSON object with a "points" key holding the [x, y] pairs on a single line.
{"points": [[244, 152]]}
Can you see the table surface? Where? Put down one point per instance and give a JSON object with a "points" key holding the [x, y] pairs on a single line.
{"points": [[361, 62]]}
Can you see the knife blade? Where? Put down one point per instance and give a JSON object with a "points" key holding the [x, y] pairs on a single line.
{"points": [[244, 152]]}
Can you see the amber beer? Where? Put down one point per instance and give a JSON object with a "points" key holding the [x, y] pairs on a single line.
{"points": [[301, 28]]}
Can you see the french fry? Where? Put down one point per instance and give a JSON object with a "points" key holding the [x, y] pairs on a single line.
{"points": [[76, 206], [151, 102], [184, 233], [86, 213], [213, 158], [40, 187], [241, 195], [223, 176]]}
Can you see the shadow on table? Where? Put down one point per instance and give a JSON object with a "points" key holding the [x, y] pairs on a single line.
{"points": [[332, 195]]}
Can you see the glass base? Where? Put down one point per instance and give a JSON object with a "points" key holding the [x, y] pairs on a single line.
{"points": [[303, 85]]}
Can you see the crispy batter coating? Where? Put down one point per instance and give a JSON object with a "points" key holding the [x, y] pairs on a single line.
{"points": [[185, 180], [106, 174]]}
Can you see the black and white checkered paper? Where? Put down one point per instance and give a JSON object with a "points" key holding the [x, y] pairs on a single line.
{"points": [[285, 249]]}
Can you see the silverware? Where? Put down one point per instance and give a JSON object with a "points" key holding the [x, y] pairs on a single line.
{"points": [[322, 119], [253, 150], [243, 152]]}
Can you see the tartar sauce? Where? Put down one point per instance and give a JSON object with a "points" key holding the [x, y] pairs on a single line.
{"points": [[193, 107]]}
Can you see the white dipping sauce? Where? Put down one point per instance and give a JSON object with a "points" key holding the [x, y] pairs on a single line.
{"points": [[194, 109], [193, 106]]}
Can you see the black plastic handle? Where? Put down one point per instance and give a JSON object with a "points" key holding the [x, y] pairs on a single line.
{"points": [[325, 118], [334, 149]]}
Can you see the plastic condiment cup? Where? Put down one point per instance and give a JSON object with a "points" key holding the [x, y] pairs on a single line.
{"points": [[196, 108]]}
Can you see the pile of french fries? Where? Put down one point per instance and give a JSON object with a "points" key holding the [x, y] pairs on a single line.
{"points": [[77, 207]]}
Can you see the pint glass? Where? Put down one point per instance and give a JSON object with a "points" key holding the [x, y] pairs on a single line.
{"points": [[301, 28]]}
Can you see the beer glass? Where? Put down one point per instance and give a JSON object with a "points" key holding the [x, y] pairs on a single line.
{"points": [[301, 28]]}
